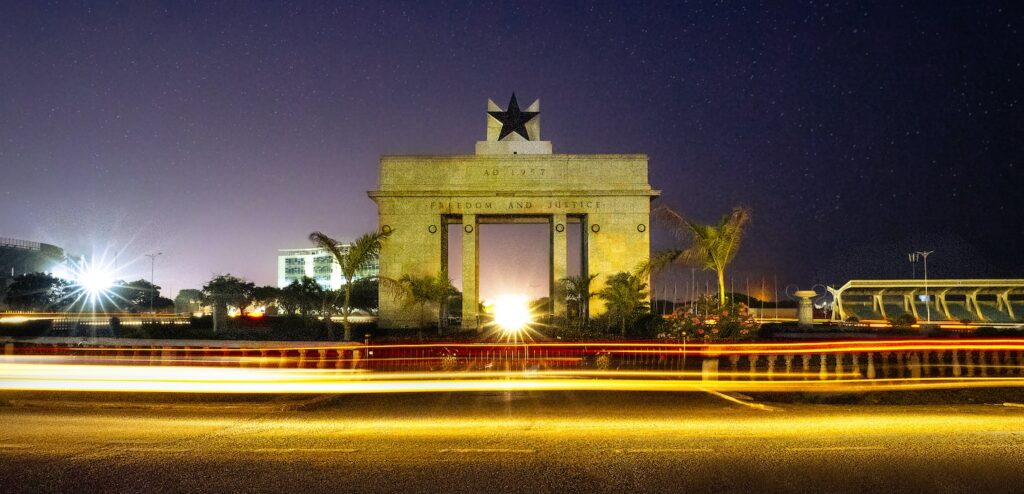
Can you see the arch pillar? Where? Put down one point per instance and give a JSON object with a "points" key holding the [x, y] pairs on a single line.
{"points": [[470, 272]]}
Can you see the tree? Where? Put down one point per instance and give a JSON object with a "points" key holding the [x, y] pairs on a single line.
{"points": [[224, 290], [188, 300], [625, 296], [711, 247], [429, 289], [331, 305], [137, 294], [304, 295], [289, 297], [38, 292], [365, 295], [575, 290], [358, 256], [267, 296], [162, 304]]}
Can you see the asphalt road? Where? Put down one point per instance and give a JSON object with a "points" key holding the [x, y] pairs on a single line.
{"points": [[503, 442]]}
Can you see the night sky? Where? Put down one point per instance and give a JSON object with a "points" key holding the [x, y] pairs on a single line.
{"points": [[218, 132]]}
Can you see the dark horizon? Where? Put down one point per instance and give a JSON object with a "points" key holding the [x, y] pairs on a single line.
{"points": [[217, 133]]}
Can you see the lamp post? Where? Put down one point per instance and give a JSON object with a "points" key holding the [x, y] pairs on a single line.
{"points": [[928, 301], [152, 272], [684, 353]]}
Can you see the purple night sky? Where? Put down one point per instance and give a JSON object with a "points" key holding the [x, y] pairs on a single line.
{"points": [[219, 132]]}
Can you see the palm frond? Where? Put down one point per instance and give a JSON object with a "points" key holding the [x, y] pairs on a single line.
{"points": [[677, 224], [657, 262], [324, 241], [393, 287], [731, 233]]}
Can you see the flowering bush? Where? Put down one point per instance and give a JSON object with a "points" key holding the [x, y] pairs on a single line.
{"points": [[708, 321]]}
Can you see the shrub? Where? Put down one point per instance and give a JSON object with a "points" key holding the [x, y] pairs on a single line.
{"points": [[903, 321], [708, 321]]}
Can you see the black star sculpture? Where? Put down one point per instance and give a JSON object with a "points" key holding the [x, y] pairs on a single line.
{"points": [[513, 120]]}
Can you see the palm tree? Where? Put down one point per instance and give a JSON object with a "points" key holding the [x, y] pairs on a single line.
{"points": [[575, 290], [625, 296], [712, 247], [360, 255], [429, 289]]}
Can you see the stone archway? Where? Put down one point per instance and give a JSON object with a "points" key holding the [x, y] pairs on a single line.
{"points": [[512, 175]]}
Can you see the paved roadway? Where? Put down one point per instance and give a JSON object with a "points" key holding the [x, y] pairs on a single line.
{"points": [[505, 442]]}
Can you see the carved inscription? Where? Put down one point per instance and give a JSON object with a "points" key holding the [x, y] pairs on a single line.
{"points": [[516, 172], [455, 205]]}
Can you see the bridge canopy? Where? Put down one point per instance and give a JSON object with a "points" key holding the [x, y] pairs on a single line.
{"points": [[973, 301]]}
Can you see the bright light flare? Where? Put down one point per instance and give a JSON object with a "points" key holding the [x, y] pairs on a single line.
{"points": [[93, 283], [95, 280], [512, 313]]}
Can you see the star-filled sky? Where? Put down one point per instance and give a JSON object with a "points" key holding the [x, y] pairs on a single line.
{"points": [[219, 132]]}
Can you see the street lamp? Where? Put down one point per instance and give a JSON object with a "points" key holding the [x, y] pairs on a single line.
{"points": [[152, 272], [928, 301]]}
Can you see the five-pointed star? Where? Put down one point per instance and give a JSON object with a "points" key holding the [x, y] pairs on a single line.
{"points": [[513, 120]]}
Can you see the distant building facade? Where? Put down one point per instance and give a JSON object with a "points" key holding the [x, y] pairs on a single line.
{"points": [[316, 263], [18, 257]]}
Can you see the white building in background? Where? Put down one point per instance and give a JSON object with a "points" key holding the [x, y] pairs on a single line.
{"points": [[316, 263]]}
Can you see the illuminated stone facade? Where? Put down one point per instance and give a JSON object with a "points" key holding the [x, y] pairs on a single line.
{"points": [[423, 199]]}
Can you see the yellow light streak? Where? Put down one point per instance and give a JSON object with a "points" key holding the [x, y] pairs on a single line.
{"points": [[714, 349], [25, 374], [14, 319]]}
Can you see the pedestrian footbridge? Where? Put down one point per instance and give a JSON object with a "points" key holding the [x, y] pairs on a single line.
{"points": [[969, 301]]}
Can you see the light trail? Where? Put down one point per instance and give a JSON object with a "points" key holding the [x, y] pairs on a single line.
{"points": [[353, 368], [36, 376], [709, 349]]}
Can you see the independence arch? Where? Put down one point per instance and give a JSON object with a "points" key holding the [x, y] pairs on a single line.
{"points": [[512, 177]]}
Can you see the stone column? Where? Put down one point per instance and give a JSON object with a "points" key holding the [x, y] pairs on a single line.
{"points": [[805, 308], [559, 261], [709, 369], [470, 273], [914, 364]]}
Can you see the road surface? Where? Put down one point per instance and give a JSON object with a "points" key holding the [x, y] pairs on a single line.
{"points": [[503, 442]]}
